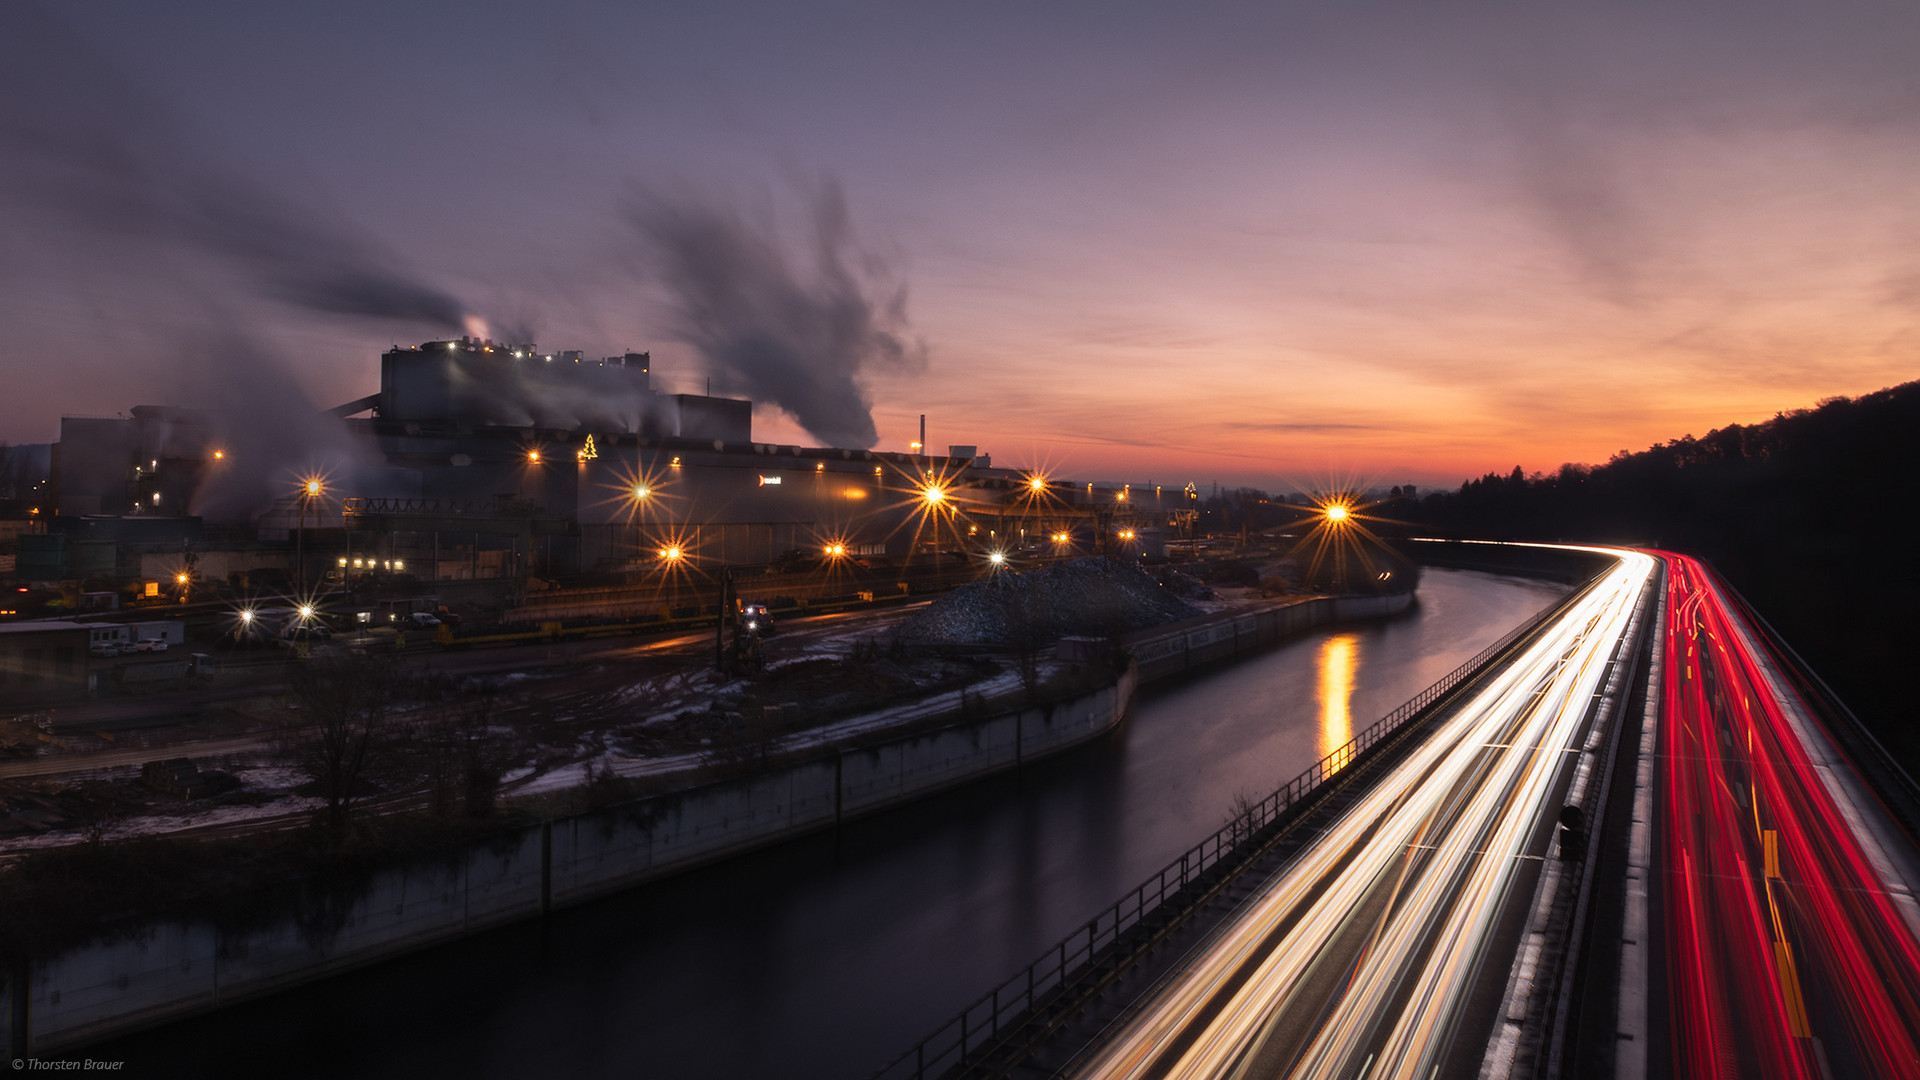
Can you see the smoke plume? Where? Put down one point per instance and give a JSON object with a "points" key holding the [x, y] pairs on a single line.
{"points": [[798, 338], [81, 139], [271, 432]]}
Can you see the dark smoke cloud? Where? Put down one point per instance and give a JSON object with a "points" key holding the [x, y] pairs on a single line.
{"points": [[796, 337], [80, 139], [272, 433]]}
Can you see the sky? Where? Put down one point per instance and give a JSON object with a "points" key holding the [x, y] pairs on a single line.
{"points": [[1257, 244]]}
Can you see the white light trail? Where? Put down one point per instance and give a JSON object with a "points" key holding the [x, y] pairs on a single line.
{"points": [[1440, 834]]}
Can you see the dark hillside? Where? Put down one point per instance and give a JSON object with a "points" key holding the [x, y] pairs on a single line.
{"points": [[1811, 515]]}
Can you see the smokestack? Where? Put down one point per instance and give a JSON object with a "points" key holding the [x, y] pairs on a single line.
{"points": [[923, 434]]}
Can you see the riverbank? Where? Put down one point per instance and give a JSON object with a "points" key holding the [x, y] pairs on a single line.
{"points": [[174, 968]]}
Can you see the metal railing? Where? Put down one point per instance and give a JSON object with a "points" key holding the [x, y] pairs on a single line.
{"points": [[496, 506], [981, 1024]]}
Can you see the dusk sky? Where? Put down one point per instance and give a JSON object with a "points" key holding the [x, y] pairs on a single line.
{"points": [[1264, 244]]}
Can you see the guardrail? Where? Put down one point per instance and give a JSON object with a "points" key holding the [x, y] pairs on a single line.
{"points": [[1880, 769], [981, 1024]]}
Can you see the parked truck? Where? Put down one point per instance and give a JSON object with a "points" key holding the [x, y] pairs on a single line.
{"points": [[167, 674]]}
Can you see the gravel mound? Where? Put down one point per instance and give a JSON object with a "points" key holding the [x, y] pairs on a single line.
{"points": [[1085, 596]]}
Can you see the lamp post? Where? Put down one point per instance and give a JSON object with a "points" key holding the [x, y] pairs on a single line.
{"points": [[671, 557], [721, 611], [308, 492], [637, 495], [1338, 515]]}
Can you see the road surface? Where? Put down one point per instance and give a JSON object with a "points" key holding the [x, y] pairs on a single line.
{"points": [[1362, 958], [1791, 933]]}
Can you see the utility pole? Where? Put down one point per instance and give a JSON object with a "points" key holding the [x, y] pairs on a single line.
{"points": [[720, 625], [300, 551]]}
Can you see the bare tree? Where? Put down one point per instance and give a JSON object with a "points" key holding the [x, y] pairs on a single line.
{"points": [[1027, 636], [1240, 816], [343, 705], [465, 760]]}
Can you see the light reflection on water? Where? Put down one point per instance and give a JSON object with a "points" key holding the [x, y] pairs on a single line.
{"points": [[1339, 656]]}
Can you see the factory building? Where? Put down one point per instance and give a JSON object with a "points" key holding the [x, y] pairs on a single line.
{"points": [[491, 461], [149, 462]]}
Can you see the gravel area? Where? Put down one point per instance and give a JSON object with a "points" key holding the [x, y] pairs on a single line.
{"points": [[1086, 596]]}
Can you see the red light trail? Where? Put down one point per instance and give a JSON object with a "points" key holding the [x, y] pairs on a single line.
{"points": [[1788, 954]]}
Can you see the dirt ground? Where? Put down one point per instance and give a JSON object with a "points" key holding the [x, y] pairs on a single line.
{"points": [[540, 725]]}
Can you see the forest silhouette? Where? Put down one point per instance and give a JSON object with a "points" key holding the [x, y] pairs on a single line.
{"points": [[1810, 515]]}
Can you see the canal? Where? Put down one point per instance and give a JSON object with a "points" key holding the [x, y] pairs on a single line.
{"points": [[827, 956]]}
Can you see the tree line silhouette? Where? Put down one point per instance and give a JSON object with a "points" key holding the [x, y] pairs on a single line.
{"points": [[1811, 515]]}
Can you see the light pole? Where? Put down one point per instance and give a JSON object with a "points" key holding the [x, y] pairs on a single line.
{"points": [[308, 492], [721, 611], [637, 495], [1338, 515], [937, 511], [671, 557]]}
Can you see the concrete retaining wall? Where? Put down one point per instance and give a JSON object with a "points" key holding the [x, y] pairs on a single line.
{"points": [[1169, 650], [173, 969]]}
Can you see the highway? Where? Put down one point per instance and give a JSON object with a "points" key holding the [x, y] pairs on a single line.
{"points": [[1791, 934], [1363, 957]]}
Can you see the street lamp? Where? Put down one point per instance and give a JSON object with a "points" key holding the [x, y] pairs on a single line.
{"points": [[671, 557], [309, 491]]}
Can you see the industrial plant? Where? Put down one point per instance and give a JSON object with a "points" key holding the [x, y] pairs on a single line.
{"points": [[520, 487]]}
